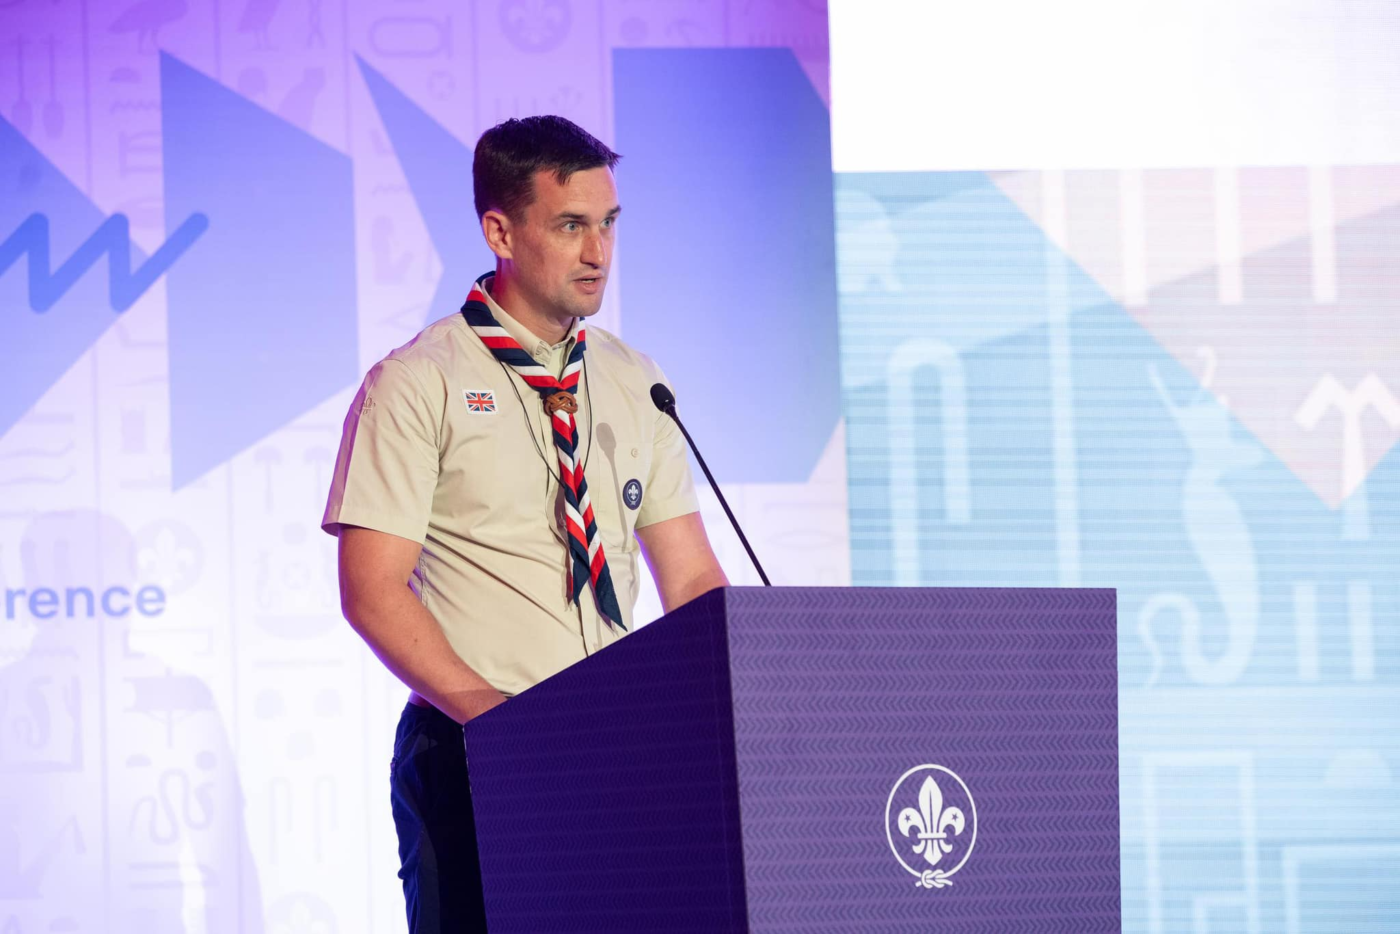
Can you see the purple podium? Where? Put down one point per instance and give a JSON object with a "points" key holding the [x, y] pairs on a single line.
{"points": [[815, 760]]}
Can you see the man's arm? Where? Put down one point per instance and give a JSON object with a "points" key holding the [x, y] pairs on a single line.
{"points": [[376, 599], [681, 560]]}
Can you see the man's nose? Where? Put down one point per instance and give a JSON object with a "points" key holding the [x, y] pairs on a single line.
{"points": [[594, 250]]}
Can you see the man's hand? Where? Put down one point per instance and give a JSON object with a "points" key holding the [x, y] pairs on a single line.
{"points": [[681, 560], [376, 599]]}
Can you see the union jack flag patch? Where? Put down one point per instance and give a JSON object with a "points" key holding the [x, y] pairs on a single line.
{"points": [[480, 401]]}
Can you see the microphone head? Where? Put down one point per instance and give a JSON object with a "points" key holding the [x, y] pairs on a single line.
{"points": [[662, 396]]}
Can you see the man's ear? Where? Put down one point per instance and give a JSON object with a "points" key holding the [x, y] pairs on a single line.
{"points": [[495, 226]]}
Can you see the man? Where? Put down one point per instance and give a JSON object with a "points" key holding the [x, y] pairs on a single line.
{"points": [[494, 476]]}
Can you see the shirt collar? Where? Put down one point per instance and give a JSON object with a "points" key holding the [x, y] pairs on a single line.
{"points": [[531, 343]]}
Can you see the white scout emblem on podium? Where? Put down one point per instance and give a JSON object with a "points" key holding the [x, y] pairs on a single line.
{"points": [[931, 824]]}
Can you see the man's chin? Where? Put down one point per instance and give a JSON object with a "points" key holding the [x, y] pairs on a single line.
{"points": [[586, 309]]}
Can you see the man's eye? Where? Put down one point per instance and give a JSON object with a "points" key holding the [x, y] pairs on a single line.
{"points": [[608, 221], [570, 226]]}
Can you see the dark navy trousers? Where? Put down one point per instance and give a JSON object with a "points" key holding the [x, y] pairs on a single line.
{"points": [[433, 816]]}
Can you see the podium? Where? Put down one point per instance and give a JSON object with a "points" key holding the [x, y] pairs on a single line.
{"points": [[814, 760]]}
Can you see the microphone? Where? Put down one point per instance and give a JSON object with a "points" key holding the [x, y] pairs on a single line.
{"points": [[666, 402]]}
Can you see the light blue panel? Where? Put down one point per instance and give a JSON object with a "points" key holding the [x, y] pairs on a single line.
{"points": [[728, 273], [935, 269], [1258, 651], [263, 322]]}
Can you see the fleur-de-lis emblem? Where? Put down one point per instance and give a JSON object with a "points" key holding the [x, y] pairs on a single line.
{"points": [[931, 821], [930, 828]]}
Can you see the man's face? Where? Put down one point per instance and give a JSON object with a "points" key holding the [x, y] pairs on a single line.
{"points": [[562, 247]]}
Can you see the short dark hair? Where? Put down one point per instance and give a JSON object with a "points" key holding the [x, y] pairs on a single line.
{"points": [[509, 154]]}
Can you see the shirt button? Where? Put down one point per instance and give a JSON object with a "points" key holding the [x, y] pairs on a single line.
{"points": [[634, 452]]}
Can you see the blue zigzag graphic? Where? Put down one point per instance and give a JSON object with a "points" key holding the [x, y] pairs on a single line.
{"points": [[37, 349], [264, 311], [113, 238]]}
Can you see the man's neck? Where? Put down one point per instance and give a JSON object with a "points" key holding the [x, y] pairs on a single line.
{"points": [[541, 325]]}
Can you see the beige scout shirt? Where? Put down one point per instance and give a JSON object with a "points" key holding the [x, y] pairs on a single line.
{"points": [[417, 461]]}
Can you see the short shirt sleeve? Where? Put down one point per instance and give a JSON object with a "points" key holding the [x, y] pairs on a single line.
{"points": [[670, 490], [387, 468]]}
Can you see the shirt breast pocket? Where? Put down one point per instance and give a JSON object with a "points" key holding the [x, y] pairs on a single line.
{"points": [[617, 485], [490, 473]]}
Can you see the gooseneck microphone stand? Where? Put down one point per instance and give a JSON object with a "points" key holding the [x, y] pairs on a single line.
{"points": [[666, 402]]}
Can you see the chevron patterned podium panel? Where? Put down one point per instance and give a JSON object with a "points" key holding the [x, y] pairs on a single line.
{"points": [[815, 760]]}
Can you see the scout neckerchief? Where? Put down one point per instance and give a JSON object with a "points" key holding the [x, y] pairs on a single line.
{"points": [[585, 544]]}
